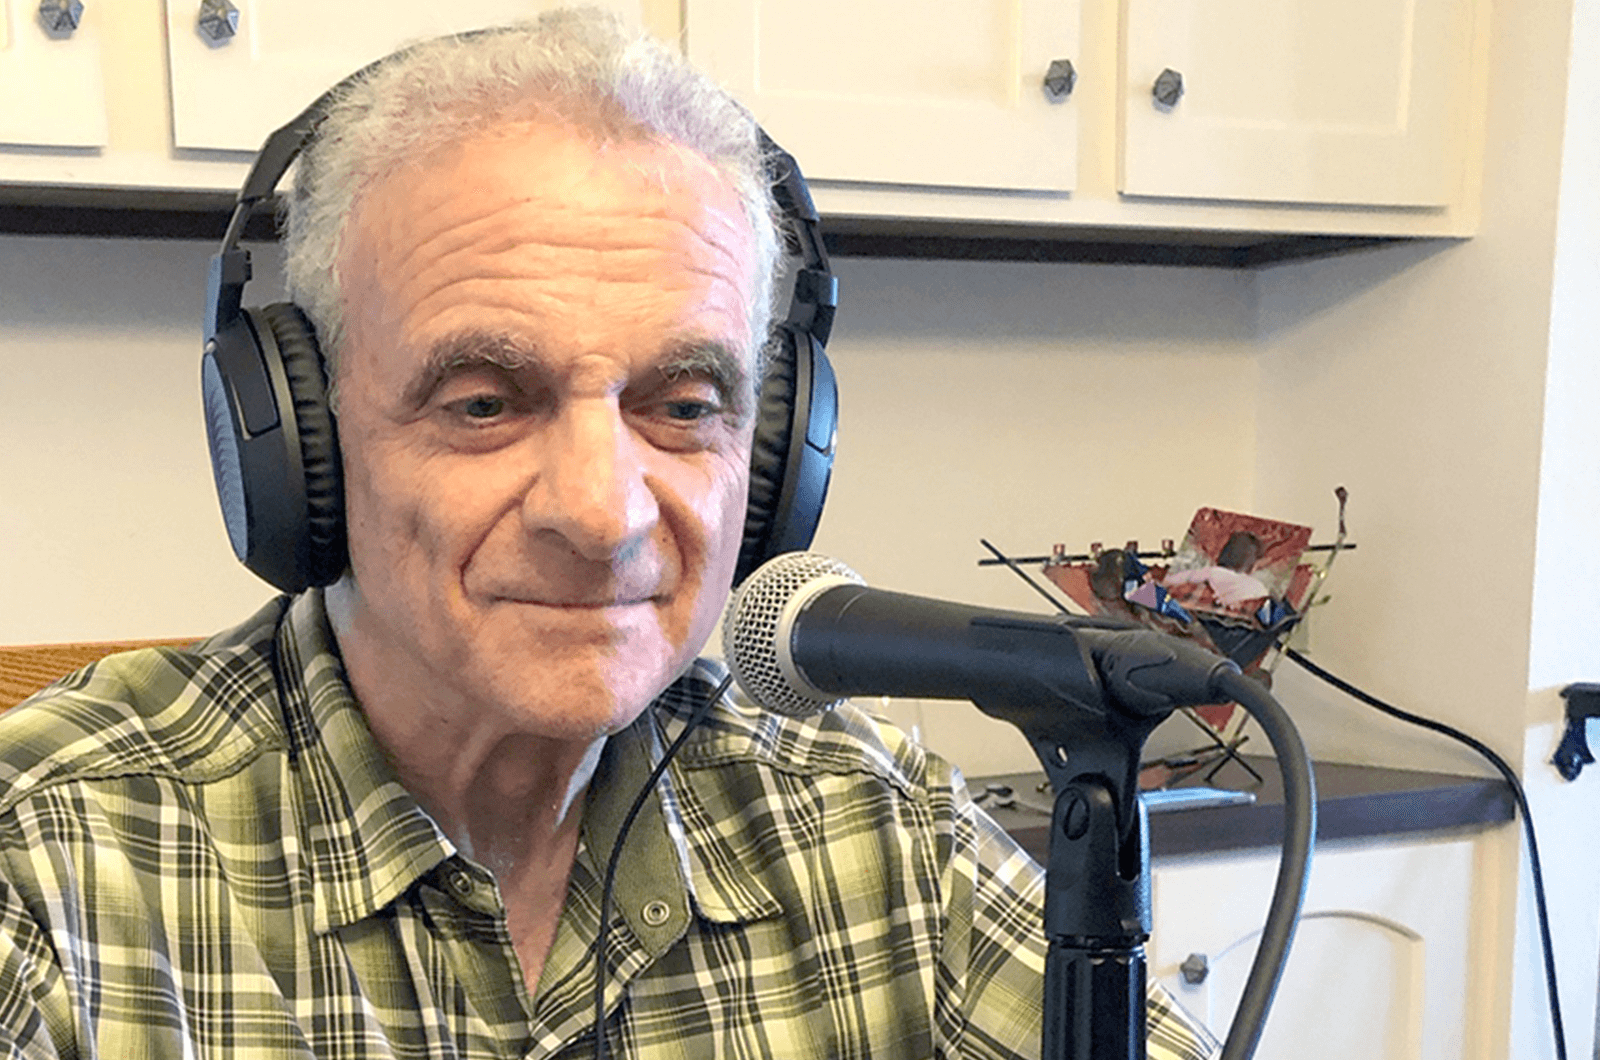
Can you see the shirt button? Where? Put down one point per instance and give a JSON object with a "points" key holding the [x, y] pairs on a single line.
{"points": [[461, 883], [656, 913]]}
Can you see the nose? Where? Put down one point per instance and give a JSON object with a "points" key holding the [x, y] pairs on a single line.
{"points": [[591, 489]]}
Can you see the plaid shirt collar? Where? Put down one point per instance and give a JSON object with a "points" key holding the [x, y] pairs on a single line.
{"points": [[365, 837]]}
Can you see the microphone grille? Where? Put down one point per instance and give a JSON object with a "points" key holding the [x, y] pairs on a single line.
{"points": [[759, 617]]}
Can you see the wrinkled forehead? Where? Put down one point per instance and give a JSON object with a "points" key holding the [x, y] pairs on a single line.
{"points": [[537, 215]]}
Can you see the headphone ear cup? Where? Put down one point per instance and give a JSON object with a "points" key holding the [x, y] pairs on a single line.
{"points": [[274, 451], [321, 464], [791, 453]]}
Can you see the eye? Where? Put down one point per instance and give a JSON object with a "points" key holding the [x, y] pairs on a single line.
{"points": [[689, 411], [687, 417], [483, 407]]}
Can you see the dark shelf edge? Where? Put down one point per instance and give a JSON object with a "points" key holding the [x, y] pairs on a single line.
{"points": [[125, 213], [1360, 803], [1183, 249], [131, 213]]}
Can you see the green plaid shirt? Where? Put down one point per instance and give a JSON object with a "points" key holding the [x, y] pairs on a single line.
{"points": [[203, 853]]}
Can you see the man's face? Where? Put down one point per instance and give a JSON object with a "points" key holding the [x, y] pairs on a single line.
{"points": [[544, 406]]}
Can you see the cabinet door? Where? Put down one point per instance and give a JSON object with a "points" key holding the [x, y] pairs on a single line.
{"points": [[1303, 101], [51, 90], [230, 95], [897, 92], [1379, 964]]}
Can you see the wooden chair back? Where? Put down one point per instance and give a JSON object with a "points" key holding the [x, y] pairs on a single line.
{"points": [[27, 668]]}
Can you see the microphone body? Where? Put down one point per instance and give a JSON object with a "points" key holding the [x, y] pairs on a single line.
{"points": [[803, 632], [851, 640]]}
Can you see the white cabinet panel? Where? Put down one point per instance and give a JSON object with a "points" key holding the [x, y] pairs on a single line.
{"points": [[229, 96], [1358, 102], [51, 88], [884, 91], [1380, 962]]}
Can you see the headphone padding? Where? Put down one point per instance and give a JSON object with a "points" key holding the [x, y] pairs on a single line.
{"points": [[769, 451], [319, 442]]}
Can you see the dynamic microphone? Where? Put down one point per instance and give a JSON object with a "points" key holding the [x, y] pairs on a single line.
{"points": [[804, 632]]}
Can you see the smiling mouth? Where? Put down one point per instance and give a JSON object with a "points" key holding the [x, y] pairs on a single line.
{"points": [[607, 604]]}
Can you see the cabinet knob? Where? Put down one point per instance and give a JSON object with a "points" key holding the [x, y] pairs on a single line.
{"points": [[60, 17], [1195, 968], [219, 20], [1168, 88], [1059, 80]]}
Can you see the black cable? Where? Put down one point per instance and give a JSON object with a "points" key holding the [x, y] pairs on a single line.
{"points": [[1294, 863], [616, 856], [1522, 806]]}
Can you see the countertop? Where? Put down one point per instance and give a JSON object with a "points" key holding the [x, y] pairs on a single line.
{"points": [[1352, 802]]}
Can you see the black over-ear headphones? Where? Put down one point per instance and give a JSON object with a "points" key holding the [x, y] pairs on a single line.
{"points": [[275, 451]]}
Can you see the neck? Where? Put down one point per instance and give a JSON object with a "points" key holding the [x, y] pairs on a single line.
{"points": [[506, 797], [513, 806]]}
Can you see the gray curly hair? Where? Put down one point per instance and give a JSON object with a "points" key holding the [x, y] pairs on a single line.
{"points": [[582, 67]]}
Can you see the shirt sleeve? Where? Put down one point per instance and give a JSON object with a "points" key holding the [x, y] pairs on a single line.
{"points": [[991, 968], [31, 985]]}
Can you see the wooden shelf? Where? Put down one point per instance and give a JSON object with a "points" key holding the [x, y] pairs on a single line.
{"points": [[26, 669]]}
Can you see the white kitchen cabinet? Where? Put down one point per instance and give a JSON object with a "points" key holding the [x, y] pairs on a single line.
{"points": [[891, 92], [1296, 115], [52, 94], [1299, 117], [229, 95], [1381, 961], [1355, 103], [180, 116]]}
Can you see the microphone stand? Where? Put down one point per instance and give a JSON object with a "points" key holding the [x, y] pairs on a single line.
{"points": [[1097, 879], [1088, 721], [1086, 693]]}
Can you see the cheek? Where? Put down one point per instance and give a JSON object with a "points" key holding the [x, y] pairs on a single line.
{"points": [[714, 510], [734, 500], [394, 505]]}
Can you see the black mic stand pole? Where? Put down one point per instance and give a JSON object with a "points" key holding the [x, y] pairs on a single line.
{"points": [[1097, 898], [1097, 877], [1097, 889], [1097, 912]]}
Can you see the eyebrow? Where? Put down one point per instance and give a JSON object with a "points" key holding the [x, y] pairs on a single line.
{"points": [[465, 352], [727, 369]]}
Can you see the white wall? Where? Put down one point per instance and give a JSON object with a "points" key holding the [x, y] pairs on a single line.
{"points": [[1566, 609], [108, 525], [1414, 376], [1028, 404]]}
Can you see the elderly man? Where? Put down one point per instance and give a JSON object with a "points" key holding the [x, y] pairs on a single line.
{"points": [[373, 821]]}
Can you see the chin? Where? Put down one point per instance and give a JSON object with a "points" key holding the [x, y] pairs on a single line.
{"points": [[583, 697], [579, 673]]}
